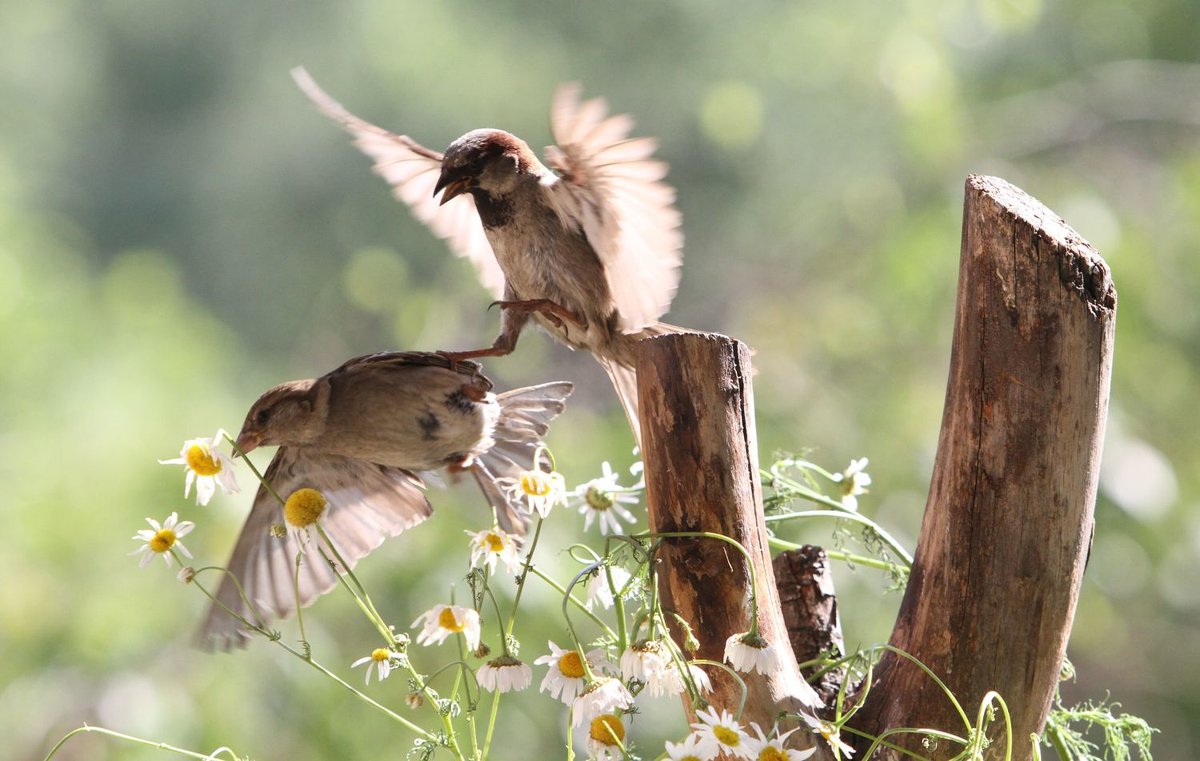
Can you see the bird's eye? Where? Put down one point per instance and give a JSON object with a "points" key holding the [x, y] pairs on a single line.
{"points": [[263, 416]]}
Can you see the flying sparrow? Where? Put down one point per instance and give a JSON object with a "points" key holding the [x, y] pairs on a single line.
{"points": [[362, 435], [589, 247]]}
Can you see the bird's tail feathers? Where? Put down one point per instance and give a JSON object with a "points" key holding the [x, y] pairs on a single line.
{"points": [[525, 415], [620, 369], [624, 380]]}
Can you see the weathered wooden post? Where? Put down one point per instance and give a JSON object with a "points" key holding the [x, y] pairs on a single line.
{"points": [[701, 457], [1008, 523]]}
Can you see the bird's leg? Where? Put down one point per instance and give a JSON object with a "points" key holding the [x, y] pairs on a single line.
{"points": [[511, 324], [495, 350], [554, 312]]}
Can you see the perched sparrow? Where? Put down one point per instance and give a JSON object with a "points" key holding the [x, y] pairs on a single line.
{"points": [[360, 435], [591, 250]]}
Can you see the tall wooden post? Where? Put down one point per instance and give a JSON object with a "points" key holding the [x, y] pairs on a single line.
{"points": [[1009, 519]]}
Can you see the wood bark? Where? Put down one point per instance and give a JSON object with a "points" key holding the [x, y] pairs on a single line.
{"points": [[1008, 522], [701, 462], [810, 614]]}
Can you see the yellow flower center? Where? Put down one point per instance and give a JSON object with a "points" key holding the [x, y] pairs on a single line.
{"points": [[608, 729], [535, 483], [304, 507], [726, 736], [380, 654], [690, 758], [163, 540], [598, 499], [771, 753], [447, 621], [571, 665], [200, 459], [494, 542]]}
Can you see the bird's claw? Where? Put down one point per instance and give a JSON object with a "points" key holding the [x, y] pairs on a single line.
{"points": [[554, 312]]}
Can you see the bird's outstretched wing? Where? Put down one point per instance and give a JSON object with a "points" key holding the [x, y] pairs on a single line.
{"points": [[367, 503], [610, 184], [412, 170]]}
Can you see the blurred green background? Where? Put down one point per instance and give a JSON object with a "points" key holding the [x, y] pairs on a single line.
{"points": [[179, 229]]}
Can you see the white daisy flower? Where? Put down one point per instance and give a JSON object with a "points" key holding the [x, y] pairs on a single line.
{"points": [[602, 695], [749, 653], [606, 735], [162, 538], [206, 467], [440, 621], [854, 480], [645, 660], [539, 489], [566, 676], [381, 658], [493, 545], [831, 734], [688, 750], [762, 749], [650, 662], [504, 674], [671, 683], [599, 591], [604, 498], [720, 733]]}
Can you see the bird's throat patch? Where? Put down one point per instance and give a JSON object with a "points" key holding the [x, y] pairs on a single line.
{"points": [[493, 212]]}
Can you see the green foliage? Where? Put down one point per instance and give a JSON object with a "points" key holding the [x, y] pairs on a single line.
{"points": [[1067, 731]]}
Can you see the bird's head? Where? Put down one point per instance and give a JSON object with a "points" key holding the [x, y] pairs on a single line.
{"points": [[489, 160], [285, 414]]}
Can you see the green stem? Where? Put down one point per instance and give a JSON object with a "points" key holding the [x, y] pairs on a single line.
{"points": [[575, 641], [487, 738], [423, 686], [843, 514], [363, 605], [736, 544], [525, 569], [942, 685], [994, 697], [255, 471], [140, 741], [299, 610], [574, 601], [848, 557], [365, 698], [619, 606], [496, 604], [882, 741]]}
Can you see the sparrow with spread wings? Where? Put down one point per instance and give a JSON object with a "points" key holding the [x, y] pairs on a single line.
{"points": [[589, 248], [363, 435]]}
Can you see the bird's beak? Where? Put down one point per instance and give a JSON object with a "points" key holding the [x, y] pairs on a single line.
{"points": [[452, 187], [248, 441]]}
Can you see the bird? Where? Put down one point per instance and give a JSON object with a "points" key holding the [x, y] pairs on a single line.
{"points": [[588, 245], [364, 435]]}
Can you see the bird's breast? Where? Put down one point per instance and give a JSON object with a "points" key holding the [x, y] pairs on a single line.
{"points": [[541, 259]]}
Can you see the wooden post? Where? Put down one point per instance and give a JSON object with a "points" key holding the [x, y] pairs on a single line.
{"points": [[700, 452], [1009, 519]]}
